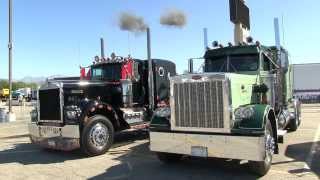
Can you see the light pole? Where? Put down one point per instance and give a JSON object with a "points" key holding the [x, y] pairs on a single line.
{"points": [[10, 116]]}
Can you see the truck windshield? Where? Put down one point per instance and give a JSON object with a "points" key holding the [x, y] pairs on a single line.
{"points": [[233, 63], [109, 72]]}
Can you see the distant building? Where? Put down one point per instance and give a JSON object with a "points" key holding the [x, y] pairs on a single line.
{"points": [[306, 82]]}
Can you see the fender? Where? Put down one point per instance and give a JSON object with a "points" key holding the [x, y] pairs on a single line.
{"points": [[94, 107], [262, 113]]}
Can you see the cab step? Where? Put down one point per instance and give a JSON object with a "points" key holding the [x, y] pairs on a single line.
{"points": [[281, 134]]}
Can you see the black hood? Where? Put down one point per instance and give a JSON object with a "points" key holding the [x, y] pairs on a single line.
{"points": [[76, 91]]}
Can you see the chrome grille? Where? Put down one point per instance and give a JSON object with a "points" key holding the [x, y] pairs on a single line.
{"points": [[199, 104]]}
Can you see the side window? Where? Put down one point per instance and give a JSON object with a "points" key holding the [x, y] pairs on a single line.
{"points": [[97, 72], [266, 63]]}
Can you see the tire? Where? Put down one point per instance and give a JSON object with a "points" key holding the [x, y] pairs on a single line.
{"points": [[169, 157], [294, 123], [97, 136], [261, 168]]}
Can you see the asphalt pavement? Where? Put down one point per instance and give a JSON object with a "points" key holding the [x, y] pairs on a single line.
{"points": [[130, 158]]}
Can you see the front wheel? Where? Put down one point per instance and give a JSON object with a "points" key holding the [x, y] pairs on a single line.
{"points": [[97, 136], [262, 167]]}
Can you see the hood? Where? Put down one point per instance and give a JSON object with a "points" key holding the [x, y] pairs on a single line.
{"points": [[75, 91]]}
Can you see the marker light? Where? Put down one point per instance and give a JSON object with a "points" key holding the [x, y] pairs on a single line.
{"points": [[215, 44], [249, 39]]}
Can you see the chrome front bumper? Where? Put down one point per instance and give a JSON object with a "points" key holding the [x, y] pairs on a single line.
{"points": [[64, 138], [221, 146]]}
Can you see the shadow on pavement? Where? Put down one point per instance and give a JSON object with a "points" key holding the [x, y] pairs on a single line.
{"points": [[300, 153], [15, 136], [139, 163], [27, 153]]}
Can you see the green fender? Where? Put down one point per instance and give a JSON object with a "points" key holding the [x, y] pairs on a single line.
{"points": [[257, 121]]}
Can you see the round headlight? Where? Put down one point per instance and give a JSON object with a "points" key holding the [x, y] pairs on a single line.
{"points": [[163, 112], [34, 115], [71, 114], [244, 112]]}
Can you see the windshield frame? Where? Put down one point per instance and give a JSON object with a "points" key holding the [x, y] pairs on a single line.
{"points": [[227, 66], [115, 74]]}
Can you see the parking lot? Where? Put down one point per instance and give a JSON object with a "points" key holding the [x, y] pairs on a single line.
{"points": [[130, 158]]}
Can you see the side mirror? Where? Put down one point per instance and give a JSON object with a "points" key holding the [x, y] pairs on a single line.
{"points": [[190, 66]]}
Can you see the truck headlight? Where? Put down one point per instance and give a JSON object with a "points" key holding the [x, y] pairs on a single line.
{"points": [[163, 112], [244, 112], [71, 114], [34, 115]]}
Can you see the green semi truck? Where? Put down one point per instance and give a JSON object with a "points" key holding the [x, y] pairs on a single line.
{"points": [[239, 107]]}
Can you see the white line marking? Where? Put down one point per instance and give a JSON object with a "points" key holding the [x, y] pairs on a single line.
{"points": [[313, 149]]}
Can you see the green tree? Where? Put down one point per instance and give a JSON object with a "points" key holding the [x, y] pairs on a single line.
{"points": [[17, 85], [4, 84]]}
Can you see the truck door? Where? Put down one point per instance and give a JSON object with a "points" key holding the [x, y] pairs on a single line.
{"points": [[268, 78]]}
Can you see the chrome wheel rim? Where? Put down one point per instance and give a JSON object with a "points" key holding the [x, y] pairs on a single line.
{"points": [[270, 146], [99, 135]]}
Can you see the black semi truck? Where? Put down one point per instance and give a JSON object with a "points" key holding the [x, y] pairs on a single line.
{"points": [[115, 94]]}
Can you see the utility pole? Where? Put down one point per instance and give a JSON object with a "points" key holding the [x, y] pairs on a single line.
{"points": [[10, 116]]}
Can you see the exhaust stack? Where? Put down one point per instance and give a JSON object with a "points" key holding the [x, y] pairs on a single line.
{"points": [[277, 33], [205, 39], [102, 48], [150, 69]]}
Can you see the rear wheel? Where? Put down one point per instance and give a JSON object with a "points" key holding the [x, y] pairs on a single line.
{"points": [[97, 136], [262, 167], [168, 157], [294, 123]]}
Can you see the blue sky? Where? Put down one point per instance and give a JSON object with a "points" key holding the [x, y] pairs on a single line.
{"points": [[56, 36]]}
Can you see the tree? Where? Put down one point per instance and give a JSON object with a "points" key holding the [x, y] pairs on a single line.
{"points": [[17, 85]]}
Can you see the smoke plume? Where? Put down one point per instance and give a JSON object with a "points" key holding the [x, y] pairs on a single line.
{"points": [[173, 17], [131, 22]]}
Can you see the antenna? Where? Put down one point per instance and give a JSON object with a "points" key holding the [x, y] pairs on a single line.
{"points": [[129, 44], [79, 53]]}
